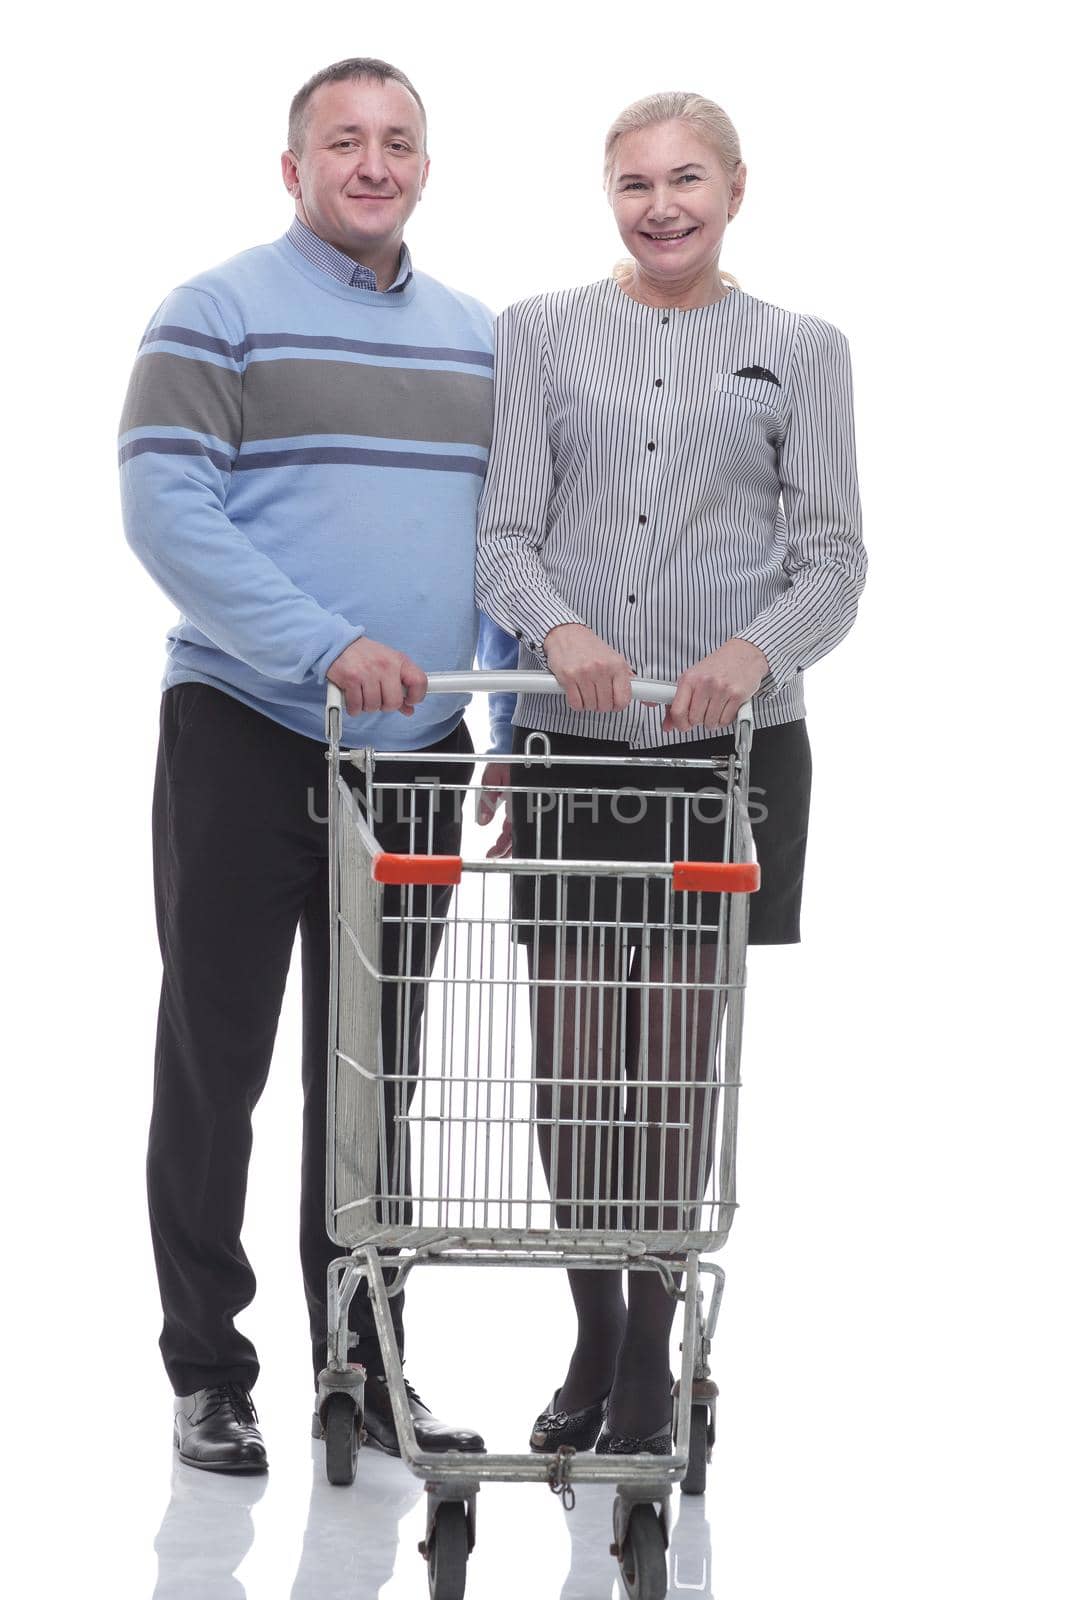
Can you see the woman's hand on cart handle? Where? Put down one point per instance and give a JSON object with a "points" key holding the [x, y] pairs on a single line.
{"points": [[495, 778], [593, 675], [375, 677], [711, 693]]}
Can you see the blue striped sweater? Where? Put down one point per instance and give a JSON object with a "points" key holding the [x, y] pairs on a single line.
{"points": [[301, 462]]}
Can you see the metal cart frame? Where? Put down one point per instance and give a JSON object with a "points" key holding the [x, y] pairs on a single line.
{"points": [[369, 1213]]}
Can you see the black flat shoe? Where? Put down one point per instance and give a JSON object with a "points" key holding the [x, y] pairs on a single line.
{"points": [[215, 1429], [430, 1432], [621, 1444], [579, 1429]]}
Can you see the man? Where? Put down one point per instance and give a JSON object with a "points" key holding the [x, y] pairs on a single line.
{"points": [[302, 449]]}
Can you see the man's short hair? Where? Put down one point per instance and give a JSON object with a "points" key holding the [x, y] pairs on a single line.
{"points": [[344, 72]]}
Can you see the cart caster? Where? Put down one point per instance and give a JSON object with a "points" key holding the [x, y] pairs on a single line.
{"points": [[701, 1432], [446, 1548], [642, 1554], [341, 1429], [339, 1419], [701, 1439]]}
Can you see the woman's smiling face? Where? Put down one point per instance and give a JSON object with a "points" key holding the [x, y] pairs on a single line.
{"points": [[672, 199]]}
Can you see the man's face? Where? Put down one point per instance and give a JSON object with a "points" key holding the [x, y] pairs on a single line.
{"points": [[360, 173]]}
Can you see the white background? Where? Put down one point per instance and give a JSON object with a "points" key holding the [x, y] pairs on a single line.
{"points": [[890, 1349]]}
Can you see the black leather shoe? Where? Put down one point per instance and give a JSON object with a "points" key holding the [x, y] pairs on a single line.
{"points": [[216, 1429], [430, 1434], [621, 1444], [579, 1429]]}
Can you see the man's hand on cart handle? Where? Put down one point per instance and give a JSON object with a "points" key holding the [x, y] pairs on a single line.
{"points": [[593, 675], [375, 677], [711, 693], [496, 776]]}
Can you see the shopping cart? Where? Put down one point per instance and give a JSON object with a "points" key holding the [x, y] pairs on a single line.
{"points": [[433, 1156]]}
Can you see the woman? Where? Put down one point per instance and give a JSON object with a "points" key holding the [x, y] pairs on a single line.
{"points": [[672, 494]]}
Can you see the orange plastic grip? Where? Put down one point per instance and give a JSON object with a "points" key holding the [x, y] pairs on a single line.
{"points": [[717, 877], [416, 869]]}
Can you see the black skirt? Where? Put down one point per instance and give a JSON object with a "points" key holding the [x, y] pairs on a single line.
{"points": [[624, 825]]}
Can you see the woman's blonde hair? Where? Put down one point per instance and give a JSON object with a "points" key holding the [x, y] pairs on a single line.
{"points": [[707, 120]]}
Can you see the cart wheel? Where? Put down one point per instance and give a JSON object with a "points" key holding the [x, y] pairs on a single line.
{"points": [[643, 1559], [342, 1439], [701, 1439], [448, 1552]]}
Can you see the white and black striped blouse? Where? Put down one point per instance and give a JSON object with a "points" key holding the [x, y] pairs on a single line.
{"points": [[673, 479]]}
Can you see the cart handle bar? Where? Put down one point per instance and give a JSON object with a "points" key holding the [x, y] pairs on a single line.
{"points": [[651, 689], [703, 877], [534, 683]]}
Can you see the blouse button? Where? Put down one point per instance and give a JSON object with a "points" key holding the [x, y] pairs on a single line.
{"points": [[642, 519], [664, 319], [631, 598], [659, 383], [651, 446]]}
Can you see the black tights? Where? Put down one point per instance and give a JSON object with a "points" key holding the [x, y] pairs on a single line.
{"points": [[626, 1130]]}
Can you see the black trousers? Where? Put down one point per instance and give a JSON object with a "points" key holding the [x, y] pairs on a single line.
{"points": [[627, 829], [240, 849]]}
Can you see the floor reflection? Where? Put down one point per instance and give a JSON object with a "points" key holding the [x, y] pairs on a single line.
{"points": [[689, 1557], [351, 1538], [205, 1534]]}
